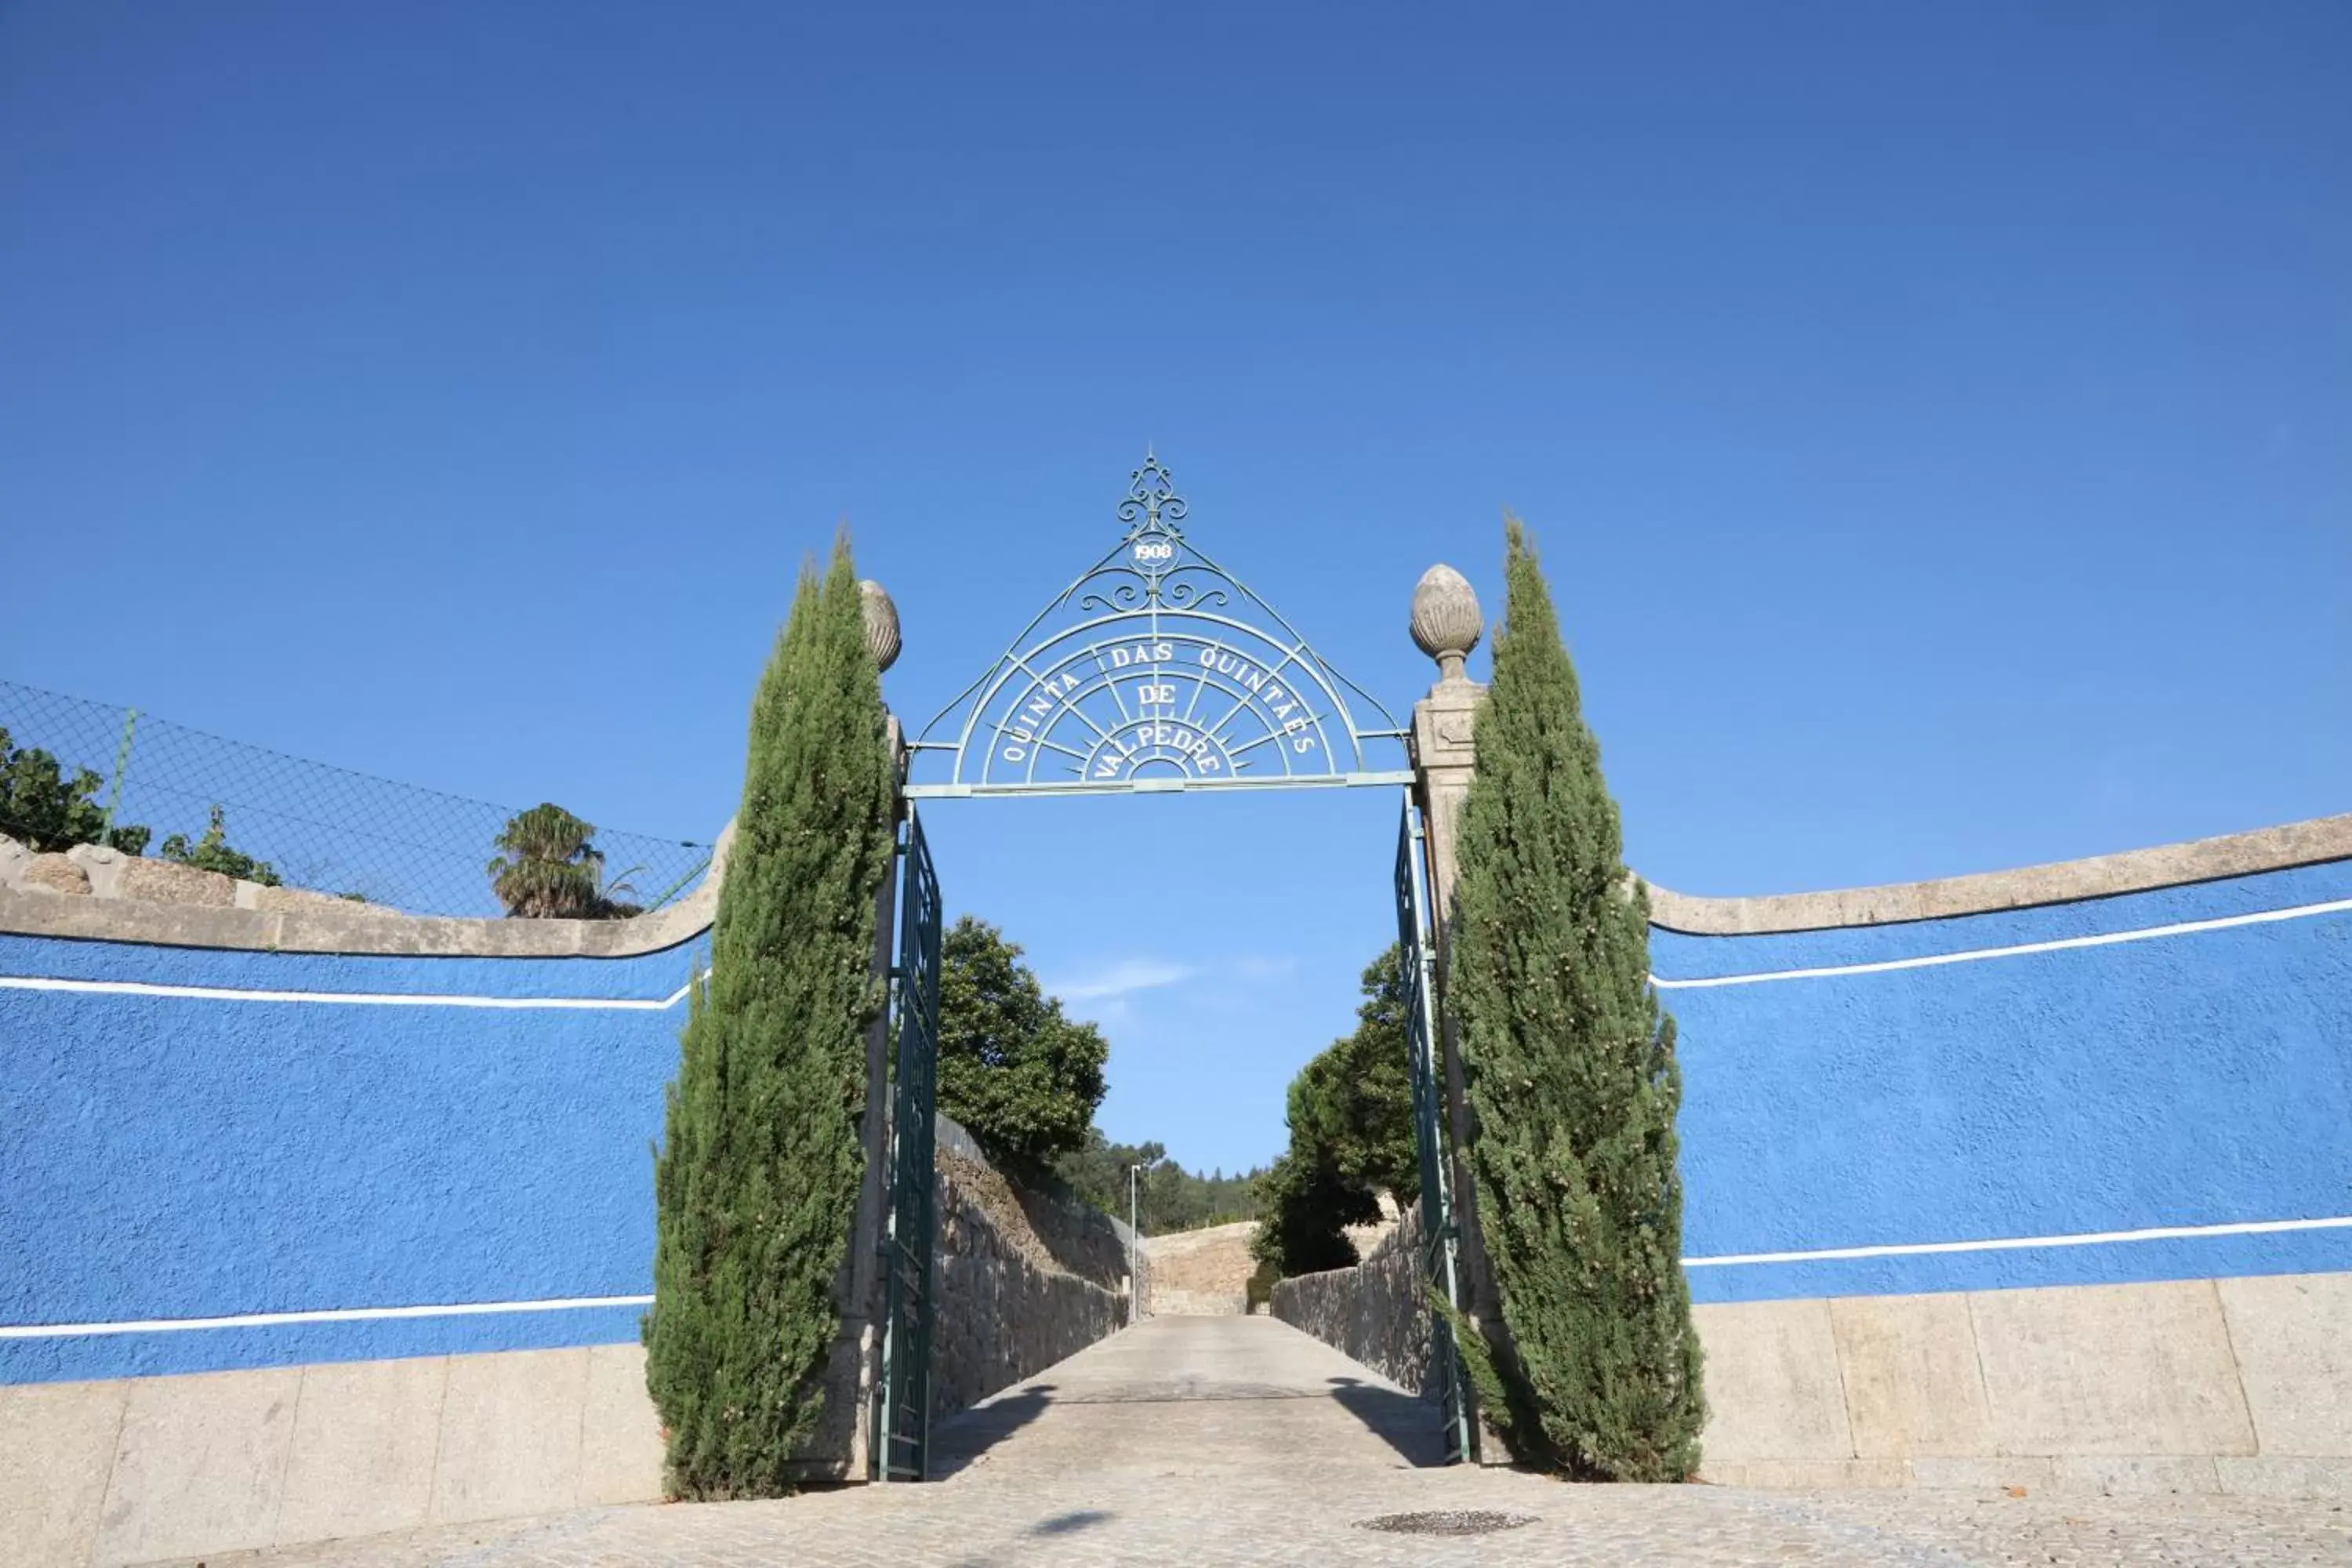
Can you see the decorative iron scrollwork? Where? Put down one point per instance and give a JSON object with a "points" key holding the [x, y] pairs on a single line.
{"points": [[1156, 667], [1151, 499]]}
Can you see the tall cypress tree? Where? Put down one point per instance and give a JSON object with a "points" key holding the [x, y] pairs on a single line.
{"points": [[757, 1180], [1572, 1081]]}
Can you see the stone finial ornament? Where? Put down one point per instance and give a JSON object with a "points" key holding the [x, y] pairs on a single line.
{"points": [[1445, 620], [881, 623]]}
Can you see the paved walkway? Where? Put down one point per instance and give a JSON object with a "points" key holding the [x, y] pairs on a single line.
{"points": [[1240, 1440]]}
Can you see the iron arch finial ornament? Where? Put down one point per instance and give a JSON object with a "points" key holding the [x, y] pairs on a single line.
{"points": [[1157, 669], [1152, 504]]}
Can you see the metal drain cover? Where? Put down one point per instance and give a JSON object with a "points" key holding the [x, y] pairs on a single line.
{"points": [[1447, 1521]]}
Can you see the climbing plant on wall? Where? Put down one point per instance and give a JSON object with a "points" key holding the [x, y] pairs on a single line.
{"points": [[1572, 1080], [757, 1178]]}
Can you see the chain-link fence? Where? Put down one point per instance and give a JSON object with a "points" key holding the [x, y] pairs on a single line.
{"points": [[118, 771]]}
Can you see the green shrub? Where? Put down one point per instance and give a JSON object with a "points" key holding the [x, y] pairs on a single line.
{"points": [[1168, 1196], [46, 811], [212, 852], [756, 1181], [1572, 1081]]}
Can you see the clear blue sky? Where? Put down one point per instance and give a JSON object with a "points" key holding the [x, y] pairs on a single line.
{"points": [[1936, 420]]}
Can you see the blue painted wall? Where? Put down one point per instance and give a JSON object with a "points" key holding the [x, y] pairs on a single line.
{"points": [[2191, 1079], [172, 1157]]}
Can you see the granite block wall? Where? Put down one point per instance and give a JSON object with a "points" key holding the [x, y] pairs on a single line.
{"points": [[1005, 1308], [1376, 1311]]}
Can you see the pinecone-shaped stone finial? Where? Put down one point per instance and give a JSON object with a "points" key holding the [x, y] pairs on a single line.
{"points": [[881, 623], [1445, 620]]}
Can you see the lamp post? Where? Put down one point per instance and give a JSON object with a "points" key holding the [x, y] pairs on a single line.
{"points": [[1134, 1248]]}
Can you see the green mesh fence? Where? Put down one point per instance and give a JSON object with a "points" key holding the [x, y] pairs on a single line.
{"points": [[320, 827]]}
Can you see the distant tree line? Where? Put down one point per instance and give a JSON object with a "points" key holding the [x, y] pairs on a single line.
{"points": [[1169, 1197]]}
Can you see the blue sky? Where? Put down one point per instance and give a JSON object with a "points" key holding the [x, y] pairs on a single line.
{"points": [[1936, 421]]}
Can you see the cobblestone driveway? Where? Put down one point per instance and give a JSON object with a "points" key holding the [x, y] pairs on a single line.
{"points": [[1239, 1440]]}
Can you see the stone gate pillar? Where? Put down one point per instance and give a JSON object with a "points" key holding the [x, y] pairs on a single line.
{"points": [[861, 1322], [1446, 624]]}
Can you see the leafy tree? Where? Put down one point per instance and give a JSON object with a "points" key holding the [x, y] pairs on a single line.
{"points": [[1572, 1081], [1351, 1137], [548, 868], [1306, 1205], [1357, 1111], [46, 811], [214, 853], [756, 1181], [1020, 1077]]}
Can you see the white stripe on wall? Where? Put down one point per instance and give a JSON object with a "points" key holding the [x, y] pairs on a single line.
{"points": [[2023, 1242], [347, 998], [335, 1315], [2104, 939], [478, 1308], [595, 1003]]}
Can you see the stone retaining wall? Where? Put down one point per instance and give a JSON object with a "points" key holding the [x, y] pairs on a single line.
{"points": [[1375, 1312], [1075, 1236], [89, 870], [1202, 1273], [1005, 1309]]}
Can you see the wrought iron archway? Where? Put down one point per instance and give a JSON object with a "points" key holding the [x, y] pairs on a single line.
{"points": [[1157, 669]]}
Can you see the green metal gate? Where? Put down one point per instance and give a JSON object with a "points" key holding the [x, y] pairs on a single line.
{"points": [[903, 1438], [1417, 966]]}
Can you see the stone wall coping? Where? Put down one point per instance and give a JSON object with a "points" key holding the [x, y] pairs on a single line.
{"points": [[2312, 842], [360, 928]]}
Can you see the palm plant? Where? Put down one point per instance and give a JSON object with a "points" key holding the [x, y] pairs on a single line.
{"points": [[548, 868]]}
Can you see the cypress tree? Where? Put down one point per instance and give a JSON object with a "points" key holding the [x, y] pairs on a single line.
{"points": [[756, 1183], [1571, 1080]]}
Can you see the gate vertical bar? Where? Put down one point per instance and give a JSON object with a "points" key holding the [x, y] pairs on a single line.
{"points": [[1417, 968], [902, 1448]]}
